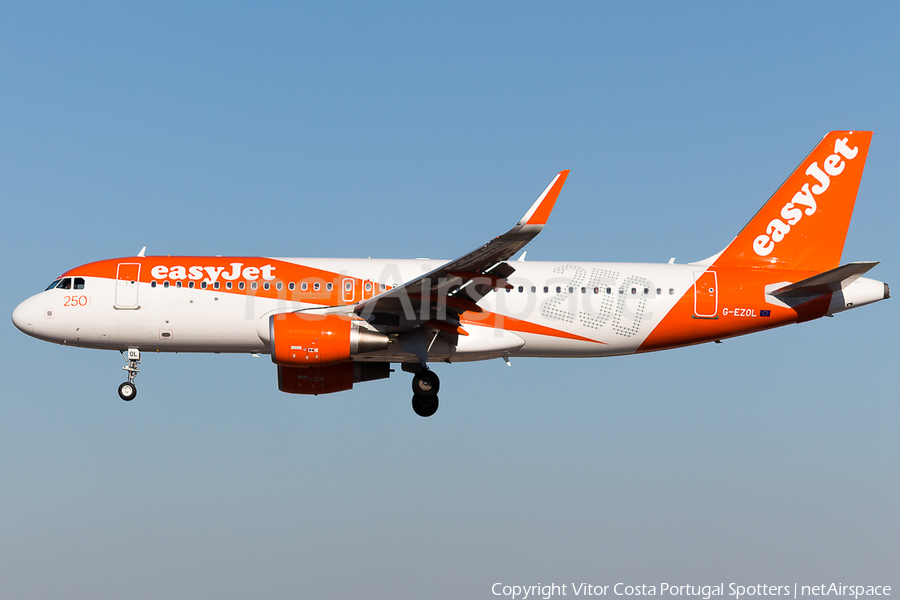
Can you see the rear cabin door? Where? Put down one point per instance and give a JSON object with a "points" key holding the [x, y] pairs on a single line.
{"points": [[127, 277], [706, 300]]}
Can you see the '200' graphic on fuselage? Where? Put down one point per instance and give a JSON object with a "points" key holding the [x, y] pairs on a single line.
{"points": [[777, 229], [564, 305]]}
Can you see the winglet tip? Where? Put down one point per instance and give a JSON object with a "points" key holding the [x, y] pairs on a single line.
{"points": [[541, 209]]}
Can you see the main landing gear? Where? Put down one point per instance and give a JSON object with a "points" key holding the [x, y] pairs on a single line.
{"points": [[425, 385], [128, 391]]}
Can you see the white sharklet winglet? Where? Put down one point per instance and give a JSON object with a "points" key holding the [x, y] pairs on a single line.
{"points": [[476, 262], [829, 281]]}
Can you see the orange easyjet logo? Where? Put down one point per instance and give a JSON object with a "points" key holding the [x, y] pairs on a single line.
{"points": [[804, 201]]}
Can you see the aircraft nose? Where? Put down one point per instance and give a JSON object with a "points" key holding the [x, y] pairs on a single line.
{"points": [[22, 318]]}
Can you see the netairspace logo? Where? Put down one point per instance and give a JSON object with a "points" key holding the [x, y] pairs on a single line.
{"points": [[705, 592]]}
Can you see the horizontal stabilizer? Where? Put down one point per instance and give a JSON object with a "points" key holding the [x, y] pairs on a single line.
{"points": [[829, 281]]}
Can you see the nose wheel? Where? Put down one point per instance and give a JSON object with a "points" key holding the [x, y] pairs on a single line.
{"points": [[425, 385], [127, 390]]}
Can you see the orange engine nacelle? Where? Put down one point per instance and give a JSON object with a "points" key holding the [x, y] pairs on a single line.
{"points": [[310, 340]]}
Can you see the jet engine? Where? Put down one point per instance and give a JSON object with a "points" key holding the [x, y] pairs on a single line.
{"points": [[331, 378], [301, 339]]}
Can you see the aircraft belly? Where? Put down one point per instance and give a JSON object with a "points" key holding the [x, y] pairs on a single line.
{"points": [[484, 340], [548, 347]]}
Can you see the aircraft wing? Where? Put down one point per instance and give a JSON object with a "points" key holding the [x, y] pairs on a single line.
{"points": [[459, 284]]}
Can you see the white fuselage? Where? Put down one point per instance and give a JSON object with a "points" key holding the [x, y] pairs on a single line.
{"points": [[615, 304]]}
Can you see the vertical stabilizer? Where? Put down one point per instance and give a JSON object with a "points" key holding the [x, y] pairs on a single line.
{"points": [[804, 224]]}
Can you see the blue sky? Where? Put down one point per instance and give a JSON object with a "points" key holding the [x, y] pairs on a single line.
{"points": [[405, 130]]}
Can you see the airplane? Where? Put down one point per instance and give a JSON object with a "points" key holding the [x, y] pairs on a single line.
{"points": [[331, 323]]}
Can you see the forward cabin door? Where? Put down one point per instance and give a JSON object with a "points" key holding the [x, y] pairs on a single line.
{"points": [[127, 277], [706, 295]]}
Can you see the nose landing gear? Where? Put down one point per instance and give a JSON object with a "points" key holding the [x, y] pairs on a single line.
{"points": [[425, 385], [128, 391]]}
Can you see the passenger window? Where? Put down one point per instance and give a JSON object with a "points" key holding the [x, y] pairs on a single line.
{"points": [[227, 285], [368, 287], [216, 285], [521, 289], [558, 289], [266, 285], [584, 290], [659, 291], [329, 287], [291, 286], [609, 290], [316, 286], [633, 291], [533, 289], [646, 291], [79, 283], [240, 285], [571, 290], [671, 292], [166, 283], [253, 285], [596, 290], [546, 289], [382, 286], [153, 284], [65, 284], [202, 285], [191, 284], [52, 285], [348, 286], [303, 286], [178, 284], [278, 286]]}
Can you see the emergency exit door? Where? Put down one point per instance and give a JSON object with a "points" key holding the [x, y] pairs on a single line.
{"points": [[349, 287]]}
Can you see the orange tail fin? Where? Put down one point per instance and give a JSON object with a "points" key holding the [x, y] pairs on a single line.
{"points": [[804, 224]]}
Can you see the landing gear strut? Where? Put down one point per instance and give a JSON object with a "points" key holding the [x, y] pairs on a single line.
{"points": [[128, 391], [425, 385]]}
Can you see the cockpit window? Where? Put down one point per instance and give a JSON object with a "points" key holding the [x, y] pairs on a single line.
{"points": [[79, 283], [65, 284], [52, 285]]}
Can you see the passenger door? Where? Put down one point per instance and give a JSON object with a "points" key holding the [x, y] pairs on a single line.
{"points": [[127, 277], [706, 301]]}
